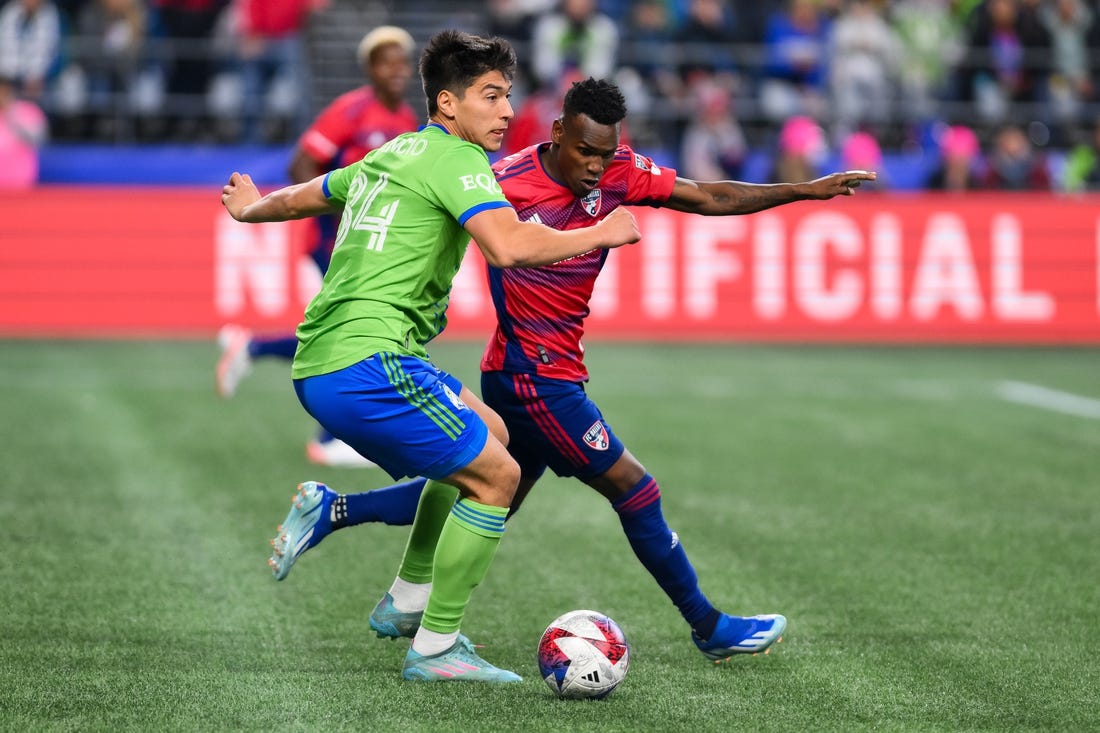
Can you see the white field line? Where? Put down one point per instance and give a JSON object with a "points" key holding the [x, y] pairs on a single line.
{"points": [[1045, 398]]}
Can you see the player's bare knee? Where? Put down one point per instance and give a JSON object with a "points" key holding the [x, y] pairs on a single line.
{"points": [[620, 479], [504, 482], [491, 478]]}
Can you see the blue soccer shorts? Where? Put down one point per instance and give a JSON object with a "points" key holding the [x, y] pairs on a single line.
{"points": [[401, 412], [552, 424]]}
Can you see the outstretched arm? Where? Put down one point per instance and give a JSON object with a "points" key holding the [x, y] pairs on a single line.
{"points": [[243, 201], [507, 242], [722, 198]]}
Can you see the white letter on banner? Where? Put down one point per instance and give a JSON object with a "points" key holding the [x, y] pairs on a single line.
{"points": [[658, 251], [309, 279], [945, 272], [817, 233], [1009, 301], [886, 267], [604, 302], [769, 294], [705, 265], [251, 261], [468, 296]]}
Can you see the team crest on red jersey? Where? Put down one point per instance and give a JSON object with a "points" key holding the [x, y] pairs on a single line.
{"points": [[591, 202], [596, 437]]}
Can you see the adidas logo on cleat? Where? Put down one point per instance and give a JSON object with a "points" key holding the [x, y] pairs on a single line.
{"points": [[755, 654]]}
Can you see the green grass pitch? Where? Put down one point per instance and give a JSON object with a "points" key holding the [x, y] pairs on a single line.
{"points": [[935, 547]]}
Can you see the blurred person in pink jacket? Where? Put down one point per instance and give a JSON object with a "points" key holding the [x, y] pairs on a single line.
{"points": [[960, 154], [800, 151], [23, 128], [860, 150]]}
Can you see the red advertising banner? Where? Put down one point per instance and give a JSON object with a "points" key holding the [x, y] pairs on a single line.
{"points": [[905, 268]]}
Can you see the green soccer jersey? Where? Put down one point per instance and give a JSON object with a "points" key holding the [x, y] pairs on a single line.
{"points": [[399, 245]]}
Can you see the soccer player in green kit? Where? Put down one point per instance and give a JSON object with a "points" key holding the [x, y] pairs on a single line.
{"points": [[361, 369]]}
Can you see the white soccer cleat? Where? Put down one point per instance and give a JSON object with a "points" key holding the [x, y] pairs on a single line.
{"points": [[335, 452]]}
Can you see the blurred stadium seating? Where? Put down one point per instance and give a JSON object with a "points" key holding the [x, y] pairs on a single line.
{"points": [[128, 117]]}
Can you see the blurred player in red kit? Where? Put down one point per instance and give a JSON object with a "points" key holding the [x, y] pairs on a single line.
{"points": [[350, 127]]}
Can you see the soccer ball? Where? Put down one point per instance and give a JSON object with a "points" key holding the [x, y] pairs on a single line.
{"points": [[583, 655]]}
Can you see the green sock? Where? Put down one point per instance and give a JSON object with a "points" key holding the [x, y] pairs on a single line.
{"points": [[466, 547], [431, 513]]}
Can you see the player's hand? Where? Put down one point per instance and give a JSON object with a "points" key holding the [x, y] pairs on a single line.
{"points": [[239, 193], [839, 184], [619, 228]]}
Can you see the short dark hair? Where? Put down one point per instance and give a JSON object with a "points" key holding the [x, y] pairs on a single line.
{"points": [[453, 59], [598, 99]]}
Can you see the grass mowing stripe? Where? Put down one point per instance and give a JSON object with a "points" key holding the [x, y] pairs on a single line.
{"points": [[1044, 398]]}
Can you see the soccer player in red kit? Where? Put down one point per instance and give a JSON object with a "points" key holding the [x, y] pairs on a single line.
{"points": [[533, 372], [354, 124]]}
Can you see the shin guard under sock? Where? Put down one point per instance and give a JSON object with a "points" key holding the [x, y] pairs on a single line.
{"points": [[466, 548], [436, 501], [659, 550]]}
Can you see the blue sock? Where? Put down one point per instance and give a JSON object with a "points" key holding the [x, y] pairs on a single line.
{"points": [[394, 505], [284, 347], [663, 556]]}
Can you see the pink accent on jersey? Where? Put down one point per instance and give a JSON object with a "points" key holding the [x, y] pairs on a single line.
{"points": [[354, 124], [540, 311], [546, 421]]}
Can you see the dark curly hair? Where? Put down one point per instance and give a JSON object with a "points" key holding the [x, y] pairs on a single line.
{"points": [[453, 59], [598, 99]]}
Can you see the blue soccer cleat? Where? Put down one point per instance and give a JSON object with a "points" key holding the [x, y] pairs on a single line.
{"points": [[742, 635], [390, 623], [460, 663], [304, 527]]}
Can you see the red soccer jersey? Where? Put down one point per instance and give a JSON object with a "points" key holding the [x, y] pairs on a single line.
{"points": [[354, 124], [274, 18], [541, 311]]}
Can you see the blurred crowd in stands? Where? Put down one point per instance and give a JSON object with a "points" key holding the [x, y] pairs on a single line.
{"points": [[1005, 94]]}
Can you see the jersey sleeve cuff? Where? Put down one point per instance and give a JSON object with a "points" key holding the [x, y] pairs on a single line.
{"points": [[465, 217]]}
